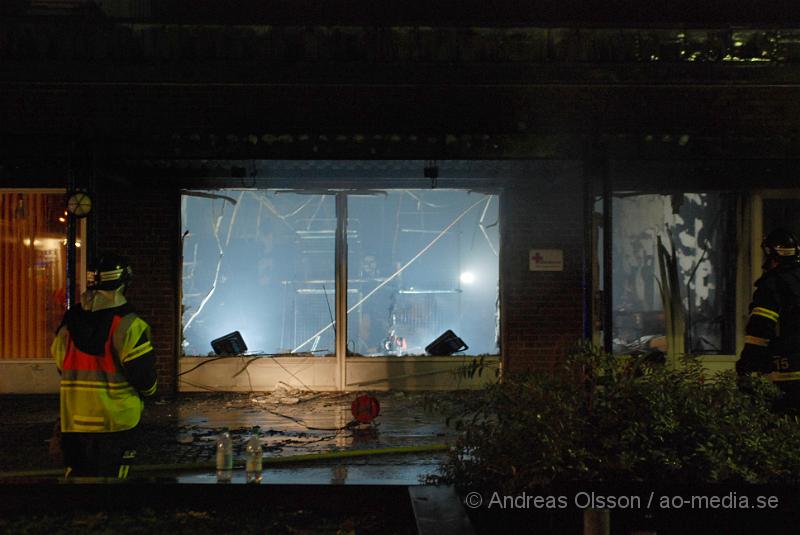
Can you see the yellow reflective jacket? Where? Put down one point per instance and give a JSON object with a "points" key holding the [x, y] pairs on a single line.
{"points": [[96, 394]]}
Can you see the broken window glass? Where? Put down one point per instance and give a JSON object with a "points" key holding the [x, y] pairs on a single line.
{"points": [[694, 236], [260, 262], [263, 263], [421, 262]]}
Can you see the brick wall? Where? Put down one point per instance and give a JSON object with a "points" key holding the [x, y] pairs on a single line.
{"points": [[542, 314], [142, 223]]}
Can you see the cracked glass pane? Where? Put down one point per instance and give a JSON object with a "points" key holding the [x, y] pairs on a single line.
{"points": [[421, 262], [260, 262], [698, 235]]}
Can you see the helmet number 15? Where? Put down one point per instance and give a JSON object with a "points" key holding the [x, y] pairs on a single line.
{"points": [[781, 363]]}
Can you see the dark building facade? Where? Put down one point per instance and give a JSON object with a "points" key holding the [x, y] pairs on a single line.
{"points": [[563, 115]]}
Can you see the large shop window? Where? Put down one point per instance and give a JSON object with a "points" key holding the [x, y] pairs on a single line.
{"points": [[33, 252], [263, 263], [421, 262], [674, 253]]}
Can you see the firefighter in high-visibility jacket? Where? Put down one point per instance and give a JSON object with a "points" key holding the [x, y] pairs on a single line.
{"points": [[772, 333], [105, 357]]}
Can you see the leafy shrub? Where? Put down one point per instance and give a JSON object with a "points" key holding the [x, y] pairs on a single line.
{"points": [[609, 419]]}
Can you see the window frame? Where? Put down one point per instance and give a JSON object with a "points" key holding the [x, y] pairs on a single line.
{"points": [[745, 226], [752, 264], [81, 233], [342, 361]]}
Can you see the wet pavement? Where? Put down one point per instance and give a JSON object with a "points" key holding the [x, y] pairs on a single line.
{"points": [[181, 431], [402, 472]]}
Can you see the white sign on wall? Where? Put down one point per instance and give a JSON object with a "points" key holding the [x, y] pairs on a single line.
{"points": [[546, 259]]}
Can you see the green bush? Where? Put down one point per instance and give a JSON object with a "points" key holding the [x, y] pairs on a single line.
{"points": [[609, 419]]}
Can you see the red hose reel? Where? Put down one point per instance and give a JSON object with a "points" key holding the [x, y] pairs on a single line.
{"points": [[365, 408]]}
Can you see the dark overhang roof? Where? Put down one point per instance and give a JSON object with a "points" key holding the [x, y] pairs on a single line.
{"points": [[424, 12]]}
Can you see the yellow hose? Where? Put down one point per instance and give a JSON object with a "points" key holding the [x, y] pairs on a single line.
{"points": [[288, 459]]}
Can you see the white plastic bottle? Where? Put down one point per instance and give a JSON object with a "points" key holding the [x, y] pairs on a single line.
{"points": [[224, 457], [253, 456]]}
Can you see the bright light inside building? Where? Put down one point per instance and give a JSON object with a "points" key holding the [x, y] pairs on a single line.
{"points": [[467, 277]]}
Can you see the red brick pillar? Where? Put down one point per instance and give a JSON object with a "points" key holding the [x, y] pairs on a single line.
{"points": [[542, 310], [140, 219]]}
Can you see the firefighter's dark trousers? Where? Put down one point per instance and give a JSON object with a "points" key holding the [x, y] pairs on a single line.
{"points": [[99, 454]]}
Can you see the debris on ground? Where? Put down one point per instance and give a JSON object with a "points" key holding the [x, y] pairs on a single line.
{"points": [[183, 428]]}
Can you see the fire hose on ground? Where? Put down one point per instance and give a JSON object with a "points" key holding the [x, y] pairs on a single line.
{"points": [[268, 461]]}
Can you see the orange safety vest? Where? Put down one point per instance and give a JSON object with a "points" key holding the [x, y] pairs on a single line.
{"points": [[95, 395]]}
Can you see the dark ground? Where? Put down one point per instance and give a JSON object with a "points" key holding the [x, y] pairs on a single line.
{"points": [[180, 430], [207, 522], [27, 424]]}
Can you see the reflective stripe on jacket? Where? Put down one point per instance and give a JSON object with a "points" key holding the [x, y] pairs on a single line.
{"points": [[95, 395], [772, 333]]}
